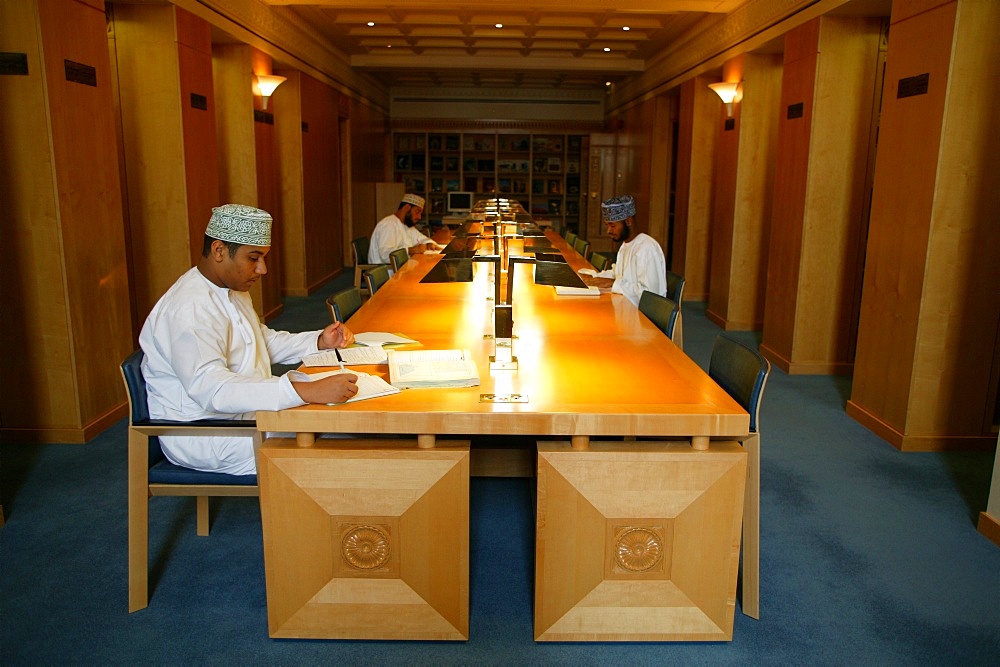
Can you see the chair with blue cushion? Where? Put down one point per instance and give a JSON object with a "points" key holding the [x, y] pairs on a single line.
{"points": [[660, 310], [344, 303], [742, 372], [359, 247], [151, 474], [675, 292], [376, 277]]}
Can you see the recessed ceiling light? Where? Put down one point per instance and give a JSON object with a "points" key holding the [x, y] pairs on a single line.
{"points": [[371, 24], [607, 49], [607, 83], [625, 28], [499, 25]]}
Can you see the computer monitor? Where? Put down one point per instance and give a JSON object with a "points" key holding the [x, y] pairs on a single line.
{"points": [[459, 202]]}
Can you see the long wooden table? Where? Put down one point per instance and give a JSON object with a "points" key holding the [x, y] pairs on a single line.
{"points": [[637, 540]]}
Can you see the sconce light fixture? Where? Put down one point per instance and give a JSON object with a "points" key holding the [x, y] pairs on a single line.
{"points": [[266, 83], [730, 93]]}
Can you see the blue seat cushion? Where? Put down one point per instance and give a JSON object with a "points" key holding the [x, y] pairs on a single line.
{"points": [[165, 472]]}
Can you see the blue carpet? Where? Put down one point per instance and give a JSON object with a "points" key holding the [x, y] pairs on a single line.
{"points": [[868, 556]]}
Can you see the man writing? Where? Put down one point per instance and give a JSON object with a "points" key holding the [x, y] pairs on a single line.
{"points": [[640, 264], [207, 355], [398, 230]]}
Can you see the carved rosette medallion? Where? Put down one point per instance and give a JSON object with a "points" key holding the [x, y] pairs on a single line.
{"points": [[638, 549], [365, 547]]}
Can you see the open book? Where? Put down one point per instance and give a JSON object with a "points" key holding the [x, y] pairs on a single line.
{"points": [[355, 356], [369, 386], [432, 368], [562, 290]]}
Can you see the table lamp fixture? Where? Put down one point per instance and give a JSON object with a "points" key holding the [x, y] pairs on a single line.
{"points": [[730, 92], [266, 83]]}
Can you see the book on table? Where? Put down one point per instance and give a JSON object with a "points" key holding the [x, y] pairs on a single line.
{"points": [[369, 386], [432, 368]]}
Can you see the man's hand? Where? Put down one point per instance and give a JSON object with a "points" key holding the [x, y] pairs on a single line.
{"points": [[418, 249], [335, 335], [334, 389]]}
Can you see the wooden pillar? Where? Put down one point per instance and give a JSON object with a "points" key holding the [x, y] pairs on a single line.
{"points": [[819, 219], [699, 113], [742, 186], [163, 56], [65, 325], [926, 369]]}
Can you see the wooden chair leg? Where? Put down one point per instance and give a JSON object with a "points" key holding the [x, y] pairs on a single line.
{"points": [[751, 530], [138, 521], [202, 515]]}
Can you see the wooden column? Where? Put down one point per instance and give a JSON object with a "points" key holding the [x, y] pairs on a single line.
{"points": [[926, 370], [742, 186], [819, 212], [168, 141], [699, 113], [64, 280]]}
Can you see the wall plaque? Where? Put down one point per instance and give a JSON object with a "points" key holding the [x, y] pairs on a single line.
{"points": [[80, 73], [14, 63], [199, 102], [795, 110], [305, 126], [913, 85], [260, 116], [730, 124]]}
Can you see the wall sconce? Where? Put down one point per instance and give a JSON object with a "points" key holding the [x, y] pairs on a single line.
{"points": [[266, 83], [730, 93]]}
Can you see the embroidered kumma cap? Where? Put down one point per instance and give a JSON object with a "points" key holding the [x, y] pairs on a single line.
{"points": [[237, 223], [415, 200], [618, 208]]}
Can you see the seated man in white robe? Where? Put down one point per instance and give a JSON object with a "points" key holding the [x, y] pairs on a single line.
{"points": [[207, 355], [640, 264], [398, 230]]}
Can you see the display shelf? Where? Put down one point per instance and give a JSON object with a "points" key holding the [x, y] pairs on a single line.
{"points": [[543, 171]]}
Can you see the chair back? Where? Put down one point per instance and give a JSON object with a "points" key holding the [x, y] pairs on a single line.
{"points": [[344, 303], [399, 258], [660, 310], [581, 246], [360, 248], [138, 401], [675, 287], [742, 372], [600, 261], [376, 277], [571, 238]]}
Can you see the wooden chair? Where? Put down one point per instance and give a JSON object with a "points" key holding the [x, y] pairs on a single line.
{"points": [[600, 261], [376, 276], [675, 292], [151, 474], [742, 372], [660, 310], [344, 303], [581, 246], [399, 258], [359, 247], [570, 237]]}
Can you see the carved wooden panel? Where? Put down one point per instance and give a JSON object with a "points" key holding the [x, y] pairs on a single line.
{"points": [[638, 545], [365, 539]]}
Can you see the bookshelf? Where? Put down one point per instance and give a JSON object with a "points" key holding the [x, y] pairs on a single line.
{"points": [[541, 170]]}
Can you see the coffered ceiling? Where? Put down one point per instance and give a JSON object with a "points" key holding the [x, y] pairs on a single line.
{"points": [[555, 44]]}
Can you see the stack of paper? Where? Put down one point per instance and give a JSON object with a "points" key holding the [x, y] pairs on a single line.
{"points": [[432, 368], [577, 291]]}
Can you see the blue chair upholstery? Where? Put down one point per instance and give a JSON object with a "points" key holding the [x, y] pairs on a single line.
{"points": [[660, 310], [359, 247], [742, 372], [151, 474]]}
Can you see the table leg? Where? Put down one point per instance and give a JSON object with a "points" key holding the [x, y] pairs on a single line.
{"points": [[305, 439], [699, 442], [580, 441], [425, 441]]}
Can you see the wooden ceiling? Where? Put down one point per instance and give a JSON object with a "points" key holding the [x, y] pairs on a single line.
{"points": [[554, 44]]}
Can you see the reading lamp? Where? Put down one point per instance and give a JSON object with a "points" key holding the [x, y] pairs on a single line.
{"points": [[266, 83], [729, 92]]}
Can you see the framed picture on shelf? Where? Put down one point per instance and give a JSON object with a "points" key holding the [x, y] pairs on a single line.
{"points": [[434, 142], [540, 164], [469, 164], [451, 163], [437, 205], [489, 185], [418, 186], [437, 163], [572, 207], [471, 184], [554, 187], [505, 185], [436, 185], [451, 142], [537, 187], [520, 186], [417, 162], [555, 207], [539, 207], [555, 165], [403, 162], [403, 142], [572, 166], [451, 185]]}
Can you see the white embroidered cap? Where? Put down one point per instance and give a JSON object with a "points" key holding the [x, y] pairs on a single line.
{"points": [[618, 208], [237, 223], [415, 200]]}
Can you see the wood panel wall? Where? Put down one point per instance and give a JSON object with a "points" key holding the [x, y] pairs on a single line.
{"points": [[926, 369], [64, 281], [819, 220], [698, 114], [744, 177]]}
